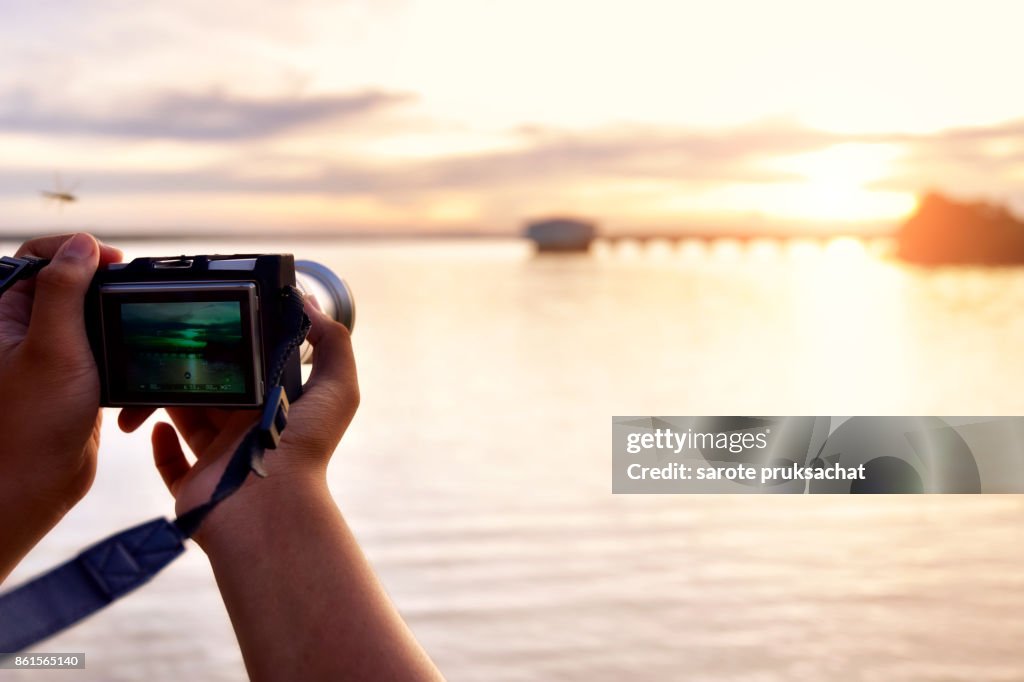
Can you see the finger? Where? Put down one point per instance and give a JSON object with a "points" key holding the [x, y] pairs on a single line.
{"points": [[195, 426], [43, 247], [219, 416], [168, 456], [334, 365], [131, 418], [57, 325], [110, 254], [47, 247]]}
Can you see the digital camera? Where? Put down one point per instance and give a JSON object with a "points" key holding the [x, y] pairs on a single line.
{"points": [[199, 330]]}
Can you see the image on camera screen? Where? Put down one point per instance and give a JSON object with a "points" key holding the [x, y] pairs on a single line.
{"points": [[193, 346]]}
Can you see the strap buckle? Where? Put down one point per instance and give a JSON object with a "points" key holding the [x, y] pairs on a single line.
{"points": [[274, 419], [14, 269]]}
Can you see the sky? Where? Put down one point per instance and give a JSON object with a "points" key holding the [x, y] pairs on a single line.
{"points": [[457, 115]]}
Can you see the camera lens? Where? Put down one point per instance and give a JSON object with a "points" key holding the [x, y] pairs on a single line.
{"points": [[331, 292]]}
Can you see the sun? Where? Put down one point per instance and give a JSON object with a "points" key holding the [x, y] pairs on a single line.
{"points": [[835, 185]]}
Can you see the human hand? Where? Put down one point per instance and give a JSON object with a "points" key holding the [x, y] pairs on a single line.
{"points": [[287, 565], [49, 408], [316, 423]]}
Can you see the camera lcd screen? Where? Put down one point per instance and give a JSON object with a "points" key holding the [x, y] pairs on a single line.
{"points": [[181, 345], [194, 346]]}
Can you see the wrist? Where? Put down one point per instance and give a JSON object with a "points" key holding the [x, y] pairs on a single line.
{"points": [[45, 494], [47, 475], [33, 513], [260, 508]]}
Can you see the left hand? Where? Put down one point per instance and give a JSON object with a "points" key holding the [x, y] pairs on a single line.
{"points": [[49, 407]]}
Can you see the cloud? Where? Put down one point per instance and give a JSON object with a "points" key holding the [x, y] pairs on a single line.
{"points": [[631, 152], [976, 161], [542, 156], [542, 161], [210, 116]]}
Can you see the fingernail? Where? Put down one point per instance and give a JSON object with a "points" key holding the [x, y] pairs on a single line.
{"points": [[79, 247], [313, 302]]}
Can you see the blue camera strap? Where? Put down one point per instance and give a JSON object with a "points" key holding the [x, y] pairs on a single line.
{"points": [[13, 270], [123, 562], [99, 575]]}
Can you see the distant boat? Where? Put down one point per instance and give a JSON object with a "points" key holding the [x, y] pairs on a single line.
{"points": [[561, 235], [943, 231]]}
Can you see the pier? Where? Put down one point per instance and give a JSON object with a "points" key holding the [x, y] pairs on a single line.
{"points": [[565, 236], [745, 237]]}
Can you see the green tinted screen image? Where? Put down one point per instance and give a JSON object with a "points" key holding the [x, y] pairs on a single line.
{"points": [[193, 346]]}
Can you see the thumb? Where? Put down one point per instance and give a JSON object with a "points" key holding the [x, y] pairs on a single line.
{"points": [[333, 360], [58, 308]]}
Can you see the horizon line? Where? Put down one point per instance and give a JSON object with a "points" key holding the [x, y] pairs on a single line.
{"points": [[366, 235]]}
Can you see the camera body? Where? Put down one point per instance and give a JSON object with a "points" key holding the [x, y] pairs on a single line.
{"points": [[191, 330]]}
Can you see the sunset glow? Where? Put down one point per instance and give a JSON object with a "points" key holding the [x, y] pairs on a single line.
{"points": [[835, 186]]}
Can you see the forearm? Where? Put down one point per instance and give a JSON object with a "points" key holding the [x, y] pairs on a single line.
{"points": [[33, 501], [303, 600], [23, 523]]}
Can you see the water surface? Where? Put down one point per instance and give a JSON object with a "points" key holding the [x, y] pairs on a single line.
{"points": [[477, 473]]}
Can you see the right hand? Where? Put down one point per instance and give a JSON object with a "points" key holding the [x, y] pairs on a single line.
{"points": [[316, 423]]}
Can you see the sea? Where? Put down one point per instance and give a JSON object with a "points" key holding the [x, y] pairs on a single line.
{"points": [[477, 473]]}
